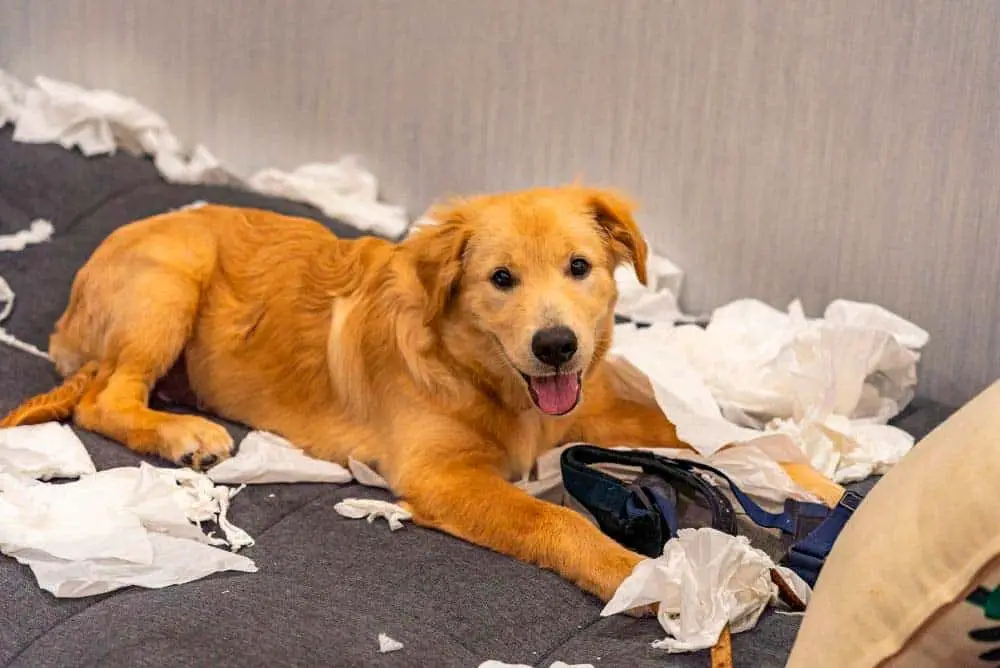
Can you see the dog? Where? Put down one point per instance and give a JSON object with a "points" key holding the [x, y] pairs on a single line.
{"points": [[448, 361]]}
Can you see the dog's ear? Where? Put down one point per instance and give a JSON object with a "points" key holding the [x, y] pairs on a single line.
{"points": [[613, 213], [438, 252]]}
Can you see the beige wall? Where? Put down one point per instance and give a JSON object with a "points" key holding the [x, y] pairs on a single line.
{"points": [[780, 147]]}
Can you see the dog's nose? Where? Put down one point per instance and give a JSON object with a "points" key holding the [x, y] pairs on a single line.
{"points": [[554, 346]]}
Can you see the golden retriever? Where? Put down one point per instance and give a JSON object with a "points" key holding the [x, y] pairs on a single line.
{"points": [[448, 361]]}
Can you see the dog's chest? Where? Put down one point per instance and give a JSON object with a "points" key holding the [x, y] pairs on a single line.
{"points": [[526, 438]]}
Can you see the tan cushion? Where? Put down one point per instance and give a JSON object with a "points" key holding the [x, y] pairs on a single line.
{"points": [[896, 581]]}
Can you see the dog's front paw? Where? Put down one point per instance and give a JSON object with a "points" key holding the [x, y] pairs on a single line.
{"points": [[195, 442]]}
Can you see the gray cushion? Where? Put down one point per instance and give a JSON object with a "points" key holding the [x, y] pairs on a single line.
{"points": [[326, 586]]}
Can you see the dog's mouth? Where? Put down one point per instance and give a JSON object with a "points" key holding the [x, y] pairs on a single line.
{"points": [[556, 394]]}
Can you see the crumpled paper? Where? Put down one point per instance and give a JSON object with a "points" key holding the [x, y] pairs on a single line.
{"points": [[101, 121], [656, 302], [125, 526], [265, 458], [799, 389], [372, 509], [387, 644], [704, 580], [342, 190], [43, 451]]}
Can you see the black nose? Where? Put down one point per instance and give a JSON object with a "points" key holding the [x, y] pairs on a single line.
{"points": [[554, 346]]}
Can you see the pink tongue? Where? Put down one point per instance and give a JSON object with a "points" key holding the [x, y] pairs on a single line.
{"points": [[556, 394]]}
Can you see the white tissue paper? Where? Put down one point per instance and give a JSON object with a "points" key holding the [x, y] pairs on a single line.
{"points": [[704, 580], [656, 302], [798, 389], [43, 451], [40, 230], [342, 190], [365, 474], [100, 121], [265, 458], [372, 509], [125, 526], [387, 644]]}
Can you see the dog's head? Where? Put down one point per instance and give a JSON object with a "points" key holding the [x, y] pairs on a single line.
{"points": [[522, 285]]}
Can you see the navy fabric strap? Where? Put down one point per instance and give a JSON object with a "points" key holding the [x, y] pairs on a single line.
{"points": [[623, 510], [807, 555]]}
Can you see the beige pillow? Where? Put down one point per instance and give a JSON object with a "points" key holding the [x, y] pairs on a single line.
{"points": [[894, 590]]}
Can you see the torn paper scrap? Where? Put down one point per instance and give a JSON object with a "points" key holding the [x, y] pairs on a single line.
{"points": [[100, 121], [44, 451], [38, 231], [655, 302], [704, 580], [173, 561], [357, 509], [105, 530], [265, 458], [342, 190], [365, 474], [799, 389], [873, 316], [235, 536], [387, 644]]}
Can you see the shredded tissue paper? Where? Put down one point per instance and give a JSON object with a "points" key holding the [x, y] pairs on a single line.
{"points": [[110, 529], [99, 122], [704, 580], [342, 190], [372, 509], [43, 452], [142, 525], [265, 458], [799, 389]]}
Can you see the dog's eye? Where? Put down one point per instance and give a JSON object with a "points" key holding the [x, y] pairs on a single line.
{"points": [[502, 279], [579, 267]]}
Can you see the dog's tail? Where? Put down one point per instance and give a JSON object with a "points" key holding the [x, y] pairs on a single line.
{"points": [[57, 404]]}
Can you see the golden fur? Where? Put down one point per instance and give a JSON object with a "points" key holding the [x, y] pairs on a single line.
{"points": [[404, 356]]}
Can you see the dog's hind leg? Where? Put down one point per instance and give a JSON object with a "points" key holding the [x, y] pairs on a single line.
{"points": [[145, 338]]}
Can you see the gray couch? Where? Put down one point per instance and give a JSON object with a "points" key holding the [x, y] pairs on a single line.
{"points": [[326, 586]]}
